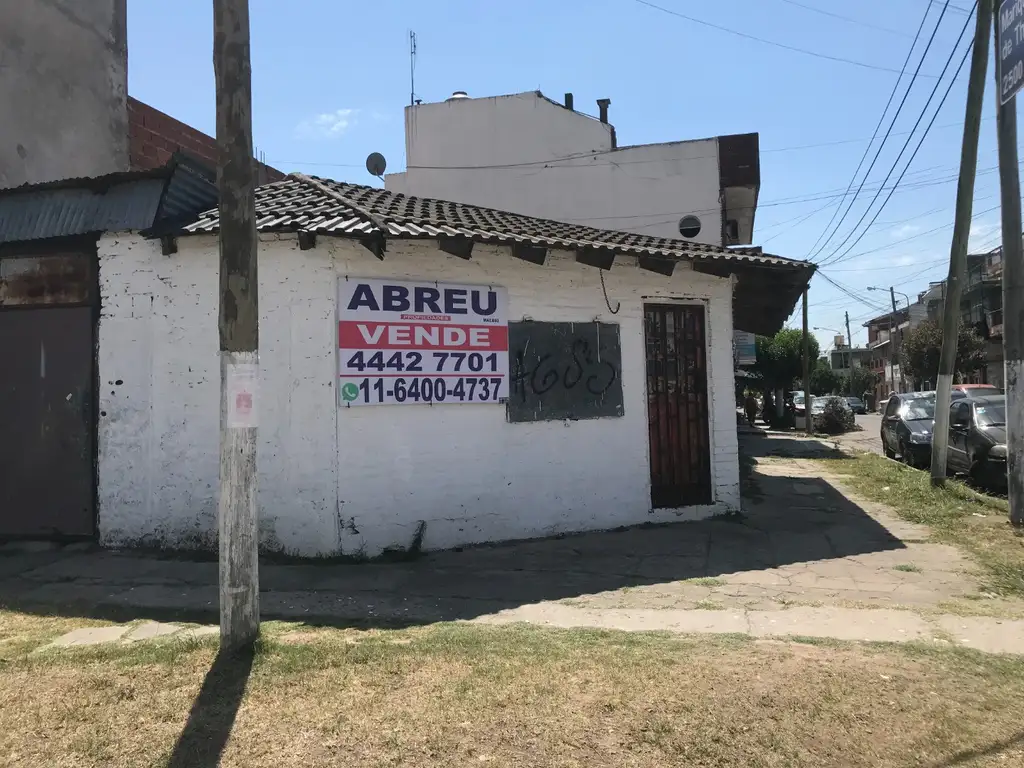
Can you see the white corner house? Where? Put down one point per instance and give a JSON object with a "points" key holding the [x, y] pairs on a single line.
{"points": [[527, 153], [431, 374]]}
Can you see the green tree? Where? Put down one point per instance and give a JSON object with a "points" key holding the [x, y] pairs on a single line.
{"points": [[864, 380], [922, 347], [780, 358], [824, 381]]}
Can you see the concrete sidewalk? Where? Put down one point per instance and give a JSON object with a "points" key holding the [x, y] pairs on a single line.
{"points": [[805, 559], [986, 634]]}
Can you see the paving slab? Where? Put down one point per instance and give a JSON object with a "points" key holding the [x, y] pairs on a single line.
{"points": [[198, 632], [90, 636], [984, 633], [691, 621], [871, 625], [148, 630]]}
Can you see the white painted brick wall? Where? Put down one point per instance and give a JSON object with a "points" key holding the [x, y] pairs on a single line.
{"points": [[359, 480]]}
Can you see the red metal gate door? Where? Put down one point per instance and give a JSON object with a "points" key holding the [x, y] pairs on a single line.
{"points": [[677, 405]]}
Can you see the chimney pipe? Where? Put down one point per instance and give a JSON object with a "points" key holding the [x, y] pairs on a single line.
{"points": [[568, 101], [602, 105]]}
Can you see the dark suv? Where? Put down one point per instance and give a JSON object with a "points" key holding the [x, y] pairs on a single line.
{"points": [[977, 440], [907, 422]]}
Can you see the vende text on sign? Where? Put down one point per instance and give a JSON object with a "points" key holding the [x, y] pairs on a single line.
{"points": [[1010, 53], [421, 342]]}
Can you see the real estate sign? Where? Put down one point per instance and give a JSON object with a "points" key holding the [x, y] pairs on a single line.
{"points": [[421, 342]]}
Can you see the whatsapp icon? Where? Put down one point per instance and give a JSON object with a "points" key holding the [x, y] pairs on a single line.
{"points": [[349, 392]]}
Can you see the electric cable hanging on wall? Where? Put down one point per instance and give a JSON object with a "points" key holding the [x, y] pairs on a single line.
{"points": [[604, 290]]}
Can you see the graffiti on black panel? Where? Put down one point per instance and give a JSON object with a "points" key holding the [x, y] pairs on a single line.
{"points": [[564, 371]]}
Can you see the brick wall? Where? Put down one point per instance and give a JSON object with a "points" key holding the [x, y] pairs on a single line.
{"points": [[154, 136]]}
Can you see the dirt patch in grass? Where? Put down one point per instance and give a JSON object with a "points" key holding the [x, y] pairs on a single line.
{"points": [[467, 695], [956, 515]]}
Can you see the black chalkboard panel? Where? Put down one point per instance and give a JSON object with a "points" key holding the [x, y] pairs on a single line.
{"points": [[564, 371]]}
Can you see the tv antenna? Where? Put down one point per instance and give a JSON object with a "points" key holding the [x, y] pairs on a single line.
{"points": [[412, 68]]}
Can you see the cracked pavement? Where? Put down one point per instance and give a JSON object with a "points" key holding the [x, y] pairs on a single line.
{"points": [[804, 559]]}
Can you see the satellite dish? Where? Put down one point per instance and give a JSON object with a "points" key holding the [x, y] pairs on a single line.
{"points": [[376, 164]]}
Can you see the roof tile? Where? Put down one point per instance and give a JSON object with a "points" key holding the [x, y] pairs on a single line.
{"points": [[766, 293]]}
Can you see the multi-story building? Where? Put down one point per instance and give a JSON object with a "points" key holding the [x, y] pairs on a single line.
{"points": [[981, 307], [842, 357], [530, 154], [65, 66], [885, 338]]}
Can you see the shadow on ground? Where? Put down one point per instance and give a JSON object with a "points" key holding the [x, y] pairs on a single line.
{"points": [[789, 519], [213, 713]]}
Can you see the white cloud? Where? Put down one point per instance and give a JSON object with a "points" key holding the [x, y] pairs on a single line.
{"points": [[906, 260], [327, 125], [905, 231], [983, 233]]}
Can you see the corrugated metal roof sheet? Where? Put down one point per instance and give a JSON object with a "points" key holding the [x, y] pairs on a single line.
{"points": [[61, 212], [134, 200]]}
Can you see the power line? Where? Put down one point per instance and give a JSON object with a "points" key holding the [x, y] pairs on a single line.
{"points": [[849, 19], [881, 119], [920, 142], [617, 150], [911, 237], [797, 200], [784, 46], [859, 298], [801, 221]]}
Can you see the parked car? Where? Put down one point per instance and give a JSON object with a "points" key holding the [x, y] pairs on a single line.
{"points": [[960, 391], [857, 405], [907, 422], [977, 440], [798, 404]]}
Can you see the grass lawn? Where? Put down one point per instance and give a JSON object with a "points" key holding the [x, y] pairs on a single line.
{"points": [[956, 514], [457, 694]]}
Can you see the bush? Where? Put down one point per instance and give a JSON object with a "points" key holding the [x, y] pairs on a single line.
{"points": [[836, 418]]}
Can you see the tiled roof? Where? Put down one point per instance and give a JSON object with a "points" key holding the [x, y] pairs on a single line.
{"points": [[332, 207], [327, 207]]}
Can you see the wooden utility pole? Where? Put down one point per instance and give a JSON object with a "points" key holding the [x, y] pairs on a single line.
{"points": [[961, 231], [809, 422], [239, 327], [849, 362], [1013, 298]]}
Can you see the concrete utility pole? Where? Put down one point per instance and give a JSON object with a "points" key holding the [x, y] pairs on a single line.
{"points": [[1013, 298], [961, 231], [899, 347], [239, 328], [849, 346], [809, 422], [892, 353]]}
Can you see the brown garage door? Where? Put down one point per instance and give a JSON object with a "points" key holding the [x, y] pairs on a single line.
{"points": [[46, 395]]}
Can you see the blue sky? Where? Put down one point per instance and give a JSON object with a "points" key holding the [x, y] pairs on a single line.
{"points": [[331, 78]]}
